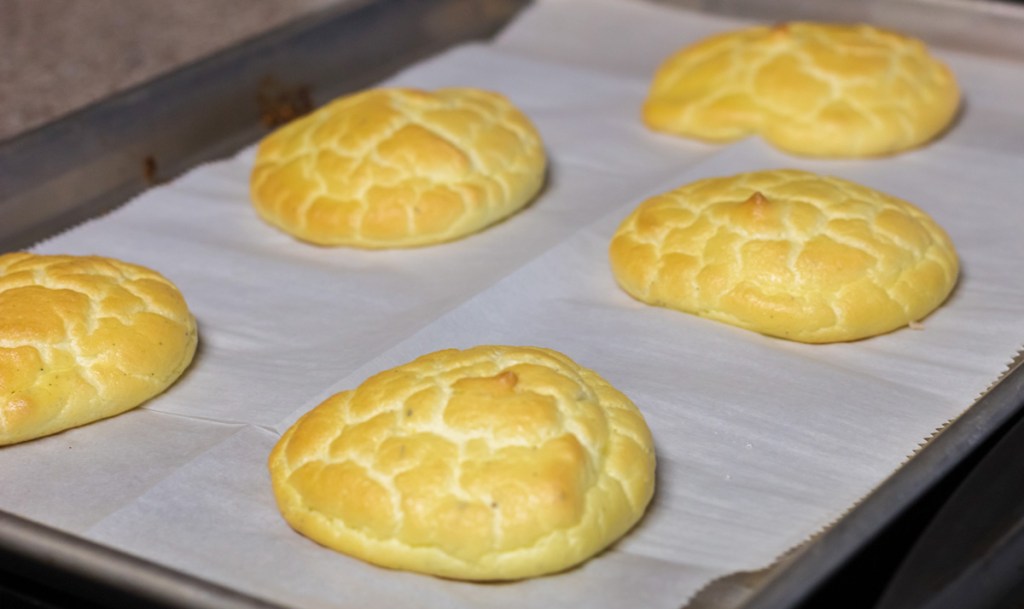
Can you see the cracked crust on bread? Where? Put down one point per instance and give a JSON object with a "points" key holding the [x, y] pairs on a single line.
{"points": [[83, 338], [812, 89], [390, 168], [491, 463], [786, 253]]}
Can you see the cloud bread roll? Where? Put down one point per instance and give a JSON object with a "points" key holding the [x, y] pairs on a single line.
{"points": [[492, 463], [83, 338], [392, 168], [786, 253], [812, 89]]}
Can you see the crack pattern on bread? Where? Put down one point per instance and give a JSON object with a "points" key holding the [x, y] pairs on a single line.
{"points": [[398, 168], [808, 88], [786, 253], [83, 338], [489, 463]]}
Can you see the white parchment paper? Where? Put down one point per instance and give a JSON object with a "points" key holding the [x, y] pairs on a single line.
{"points": [[761, 442]]}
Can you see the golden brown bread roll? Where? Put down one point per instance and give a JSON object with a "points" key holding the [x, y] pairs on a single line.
{"points": [[491, 463], [786, 253], [808, 88], [83, 338], [398, 168]]}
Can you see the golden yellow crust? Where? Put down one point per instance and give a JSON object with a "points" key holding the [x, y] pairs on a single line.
{"points": [[398, 168], [808, 88], [83, 338], [491, 463], [786, 253]]}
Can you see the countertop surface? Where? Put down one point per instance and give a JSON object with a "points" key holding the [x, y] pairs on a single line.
{"points": [[57, 56]]}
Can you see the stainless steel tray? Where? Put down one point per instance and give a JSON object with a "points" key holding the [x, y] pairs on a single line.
{"points": [[96, 159]]}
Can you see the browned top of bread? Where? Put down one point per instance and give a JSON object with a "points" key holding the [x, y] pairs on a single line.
{"points": [[398, 167], [84, 338], [787, 253], [490, 463], [813, 89]]}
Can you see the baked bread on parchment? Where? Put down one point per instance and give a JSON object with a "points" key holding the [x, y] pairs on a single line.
{"points": [[83, 338], [813, 89], [786, 253], [492, 463], [389, 168]]}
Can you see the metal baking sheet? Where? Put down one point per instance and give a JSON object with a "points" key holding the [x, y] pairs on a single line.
{"points": [[98, 158]]}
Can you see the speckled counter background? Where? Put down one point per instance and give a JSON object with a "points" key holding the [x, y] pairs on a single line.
{"points": [[59, 55]]}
